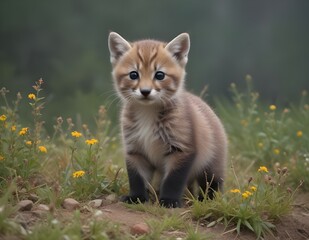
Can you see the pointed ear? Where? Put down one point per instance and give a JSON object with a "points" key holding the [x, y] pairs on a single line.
{"points": [[117, 46], [179, 47]]}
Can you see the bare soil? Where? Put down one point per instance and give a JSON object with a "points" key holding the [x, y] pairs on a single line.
{"points": [[294, 226]]}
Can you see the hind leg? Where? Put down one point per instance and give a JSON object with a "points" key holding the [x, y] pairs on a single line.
{"points": [[209, 183]]}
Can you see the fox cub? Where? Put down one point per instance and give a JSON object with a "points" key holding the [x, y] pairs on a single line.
{"points": [[166, 130]]}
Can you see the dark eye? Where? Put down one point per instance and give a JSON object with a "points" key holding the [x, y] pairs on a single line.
{"points": [[159, 75], [134, 75]]}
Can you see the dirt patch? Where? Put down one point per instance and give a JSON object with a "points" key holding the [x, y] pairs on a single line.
{"points": [[294, 226], [118, 213]]}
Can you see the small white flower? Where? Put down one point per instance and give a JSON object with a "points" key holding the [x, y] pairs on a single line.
{"points": [[54, 222]]}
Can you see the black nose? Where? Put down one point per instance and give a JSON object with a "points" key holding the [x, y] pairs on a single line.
{"points": [[145, 92]]}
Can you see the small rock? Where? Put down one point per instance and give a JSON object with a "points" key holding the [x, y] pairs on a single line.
{"points": [[105, 202], [70, 204], [98, 213], [25, 205], [43, 207], [111, 197], [140, 229], [33, 197], [95, 203], [38, 213]]}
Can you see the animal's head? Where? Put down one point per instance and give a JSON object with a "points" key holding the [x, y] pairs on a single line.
{"points": [[148, 71]]}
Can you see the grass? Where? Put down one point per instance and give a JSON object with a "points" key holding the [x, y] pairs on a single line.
{"points": [[268, 162], [255, 205], [267, 135]]}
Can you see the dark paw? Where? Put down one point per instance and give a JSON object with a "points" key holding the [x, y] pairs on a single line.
{"points": [[170, 203], [133, 199]]}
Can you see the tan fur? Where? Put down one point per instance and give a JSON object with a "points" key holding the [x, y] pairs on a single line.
{"points": [[170, 117]]}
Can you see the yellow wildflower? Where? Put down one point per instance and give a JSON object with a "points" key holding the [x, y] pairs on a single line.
{"points": [[272, 107], [236, 190], [42, 149], [276, 151], [245, 195], [299, 134], [13, 128], [76, 134], [260, 145], [91, 141], [1, 158], [31, 96], [253, 188], [28, 143], [78, 174], [23, 131], [263, 169], [2, 118]]}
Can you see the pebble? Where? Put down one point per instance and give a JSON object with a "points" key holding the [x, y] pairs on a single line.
{"points": [[140, 229], [70, 204], [33, 197], [43, 207], [25, 205], [96, 203], [111, 197]]}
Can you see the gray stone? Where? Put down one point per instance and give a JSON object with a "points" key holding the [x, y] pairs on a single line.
{"points": [[43, 207], [33, 197], [96, 203], [70, 204], [111, 198], [25, 205]]}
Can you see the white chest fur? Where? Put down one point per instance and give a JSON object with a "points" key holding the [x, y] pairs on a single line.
{"points": [[144, 136]]}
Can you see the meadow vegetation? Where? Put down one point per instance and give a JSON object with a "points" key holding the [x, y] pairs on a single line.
{"points": [[268, 165]]}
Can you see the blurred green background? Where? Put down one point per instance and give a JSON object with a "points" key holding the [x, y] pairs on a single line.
{"points": [[65, 43]]}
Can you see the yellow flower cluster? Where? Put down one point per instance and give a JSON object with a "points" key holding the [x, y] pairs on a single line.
{"points": [[76, 134], [299, 134], [236, 190], [1, 158], [272, 107], [42, 149], [2, 118], [246, 194], [78, 174], [28, 143], [13, 128], [31, 96], [23, 131], [260, 145], [276, 151], [263, 169], [91, 141]]}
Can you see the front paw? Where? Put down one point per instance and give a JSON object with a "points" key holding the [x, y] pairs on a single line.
{"points": [[133, 199], [170, 203]]}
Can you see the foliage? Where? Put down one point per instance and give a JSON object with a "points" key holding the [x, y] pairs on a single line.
{"points": [[267, 136], [77, 162], [255, 205], [78, 159]]}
